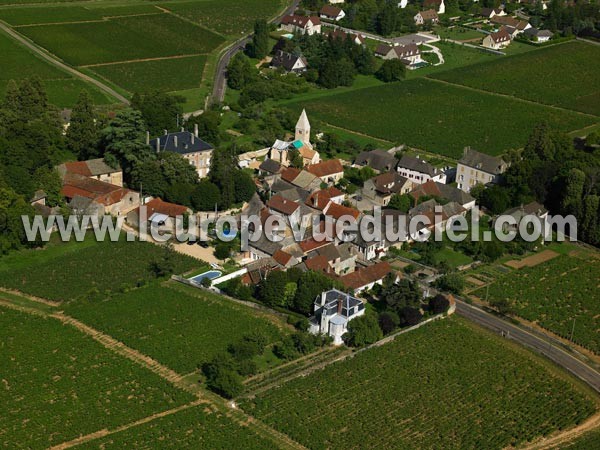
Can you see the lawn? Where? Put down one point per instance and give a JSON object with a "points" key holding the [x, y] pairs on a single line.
{"points": [[59, 384], [459, 33], [180, 328], [86, 270], [556, 293], [197, 427], [62, 88], [565, 75], [438, 117], [453, 258], [445, 385], [228, 17], [163, 74], [123, 39]]}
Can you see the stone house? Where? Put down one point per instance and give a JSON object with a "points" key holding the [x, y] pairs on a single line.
{"points": [[93, 168], [419, 171], [478, 168], [301, 24]]}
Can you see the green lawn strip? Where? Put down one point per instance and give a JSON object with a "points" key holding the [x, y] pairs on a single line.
{"points": [[555, 294], [452, 257], [437, 117], [179, 328], [445, 385], [59, 384], [565, 75], [90, 270]]}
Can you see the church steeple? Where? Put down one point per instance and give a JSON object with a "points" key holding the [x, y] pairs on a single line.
{"points": [[303, 129]]}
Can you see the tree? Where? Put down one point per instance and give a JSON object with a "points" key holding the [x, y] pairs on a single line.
{"points": [[222, 250], [240, 72], [438, 304], [165, 264], [259, 47], [401, 202], [160, 111], [205, 196], [222, 378], [223, 172], [363, 330], [391, 70], [503, 304], [410, 316], [451, 282], [272, 287], [295, 159], [310, 284], [388, 321], [336, 73], [404, 293], [123, 140], [82, 134], [208, 126], [12, 233], [244, 187]]}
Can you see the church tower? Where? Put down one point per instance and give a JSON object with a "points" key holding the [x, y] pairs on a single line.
{"points": [[303, 129]]}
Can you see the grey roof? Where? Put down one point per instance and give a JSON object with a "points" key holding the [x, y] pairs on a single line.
{"points": [[255, 206], [533, 208], [280, 186], [270, 165], [377, 159], [418, 165], [333, 297], [186, 143], [287, 60], [99, 167], [338, 320], [266, 246], [295, 194], [481, 161], [454, 194]]}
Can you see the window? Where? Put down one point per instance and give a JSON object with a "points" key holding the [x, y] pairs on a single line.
{"points": [[461, 178]]}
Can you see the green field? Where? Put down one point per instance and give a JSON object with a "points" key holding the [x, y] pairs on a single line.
{"points": [[123, 39], [588, 441], [193, 428], [556, 293], [87, 269], [62, 88], [565, 75], [179, 328], [162, 74], [438, 117], [58, 384], [228, 17], [445, 385]]}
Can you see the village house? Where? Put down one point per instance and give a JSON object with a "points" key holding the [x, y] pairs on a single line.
{"points": [[478, 168], [508, 21], [378, 160], [93, 168], [188, 145], [498, 40], [330, 171], [157, 214], [284, 207], [444, 192], [519, 213], [269, 168], [437, 5], [423, 17], [419, 171], [538, 35], [381, 188], [358, 39], [301, 24], [409, 54], [115, 200], [321, 199], [333, 311], [288, 62], [366, 278], [488, 13], [332, 13]]}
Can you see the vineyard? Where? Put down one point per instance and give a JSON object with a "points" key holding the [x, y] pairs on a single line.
{"points": [[447, 385], [565, 75], [197, 427], [394, 111], [87, 269], [179, 328], [58, 384], [572, 295]]}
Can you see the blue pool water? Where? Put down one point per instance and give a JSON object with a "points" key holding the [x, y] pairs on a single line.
{"points": [[211, 275]]}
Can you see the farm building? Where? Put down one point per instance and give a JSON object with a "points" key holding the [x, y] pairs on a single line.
{"points": [[330, 171], [188, 145], [93, 168], [157, 213], [332, 13], [419, 171], [378, 160], [333, 310]]}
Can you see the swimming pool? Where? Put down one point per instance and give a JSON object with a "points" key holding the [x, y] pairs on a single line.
{"points": [[211, 275]]}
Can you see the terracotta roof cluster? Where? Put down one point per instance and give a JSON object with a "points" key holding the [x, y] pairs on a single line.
{"points": [[330, 11], [104, 193], [326, 168], [366, 275], [89, 168], [282, 257], [289, 174], [337, 211], [389, 183], [161, 207], [510, 21], [283, 205]]}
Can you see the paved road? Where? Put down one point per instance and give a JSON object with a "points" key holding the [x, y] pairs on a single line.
{"points": [[55, 62], [218, 94], [536, 343]]}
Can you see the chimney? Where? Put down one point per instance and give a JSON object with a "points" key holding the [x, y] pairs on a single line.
{"points": [[175, 141], [166, 132], [157, 145], [196, 129], [466, 150], [316, 199], [182, 129], [339, 305], [147, 138], [193, 138]]}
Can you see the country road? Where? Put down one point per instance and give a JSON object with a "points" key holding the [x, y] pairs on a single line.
{"points": [[55, 62], [218, 94], [535, 343]]}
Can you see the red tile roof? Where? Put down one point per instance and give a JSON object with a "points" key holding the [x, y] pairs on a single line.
{"points": [[326, 168], [283, 205], [289, 174], [169, 209], [101, 192], [311, 244], [282, 257], [330, 11], [78, 167], [366, 275], [337, 211], [317, 263], [428, 188]]}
